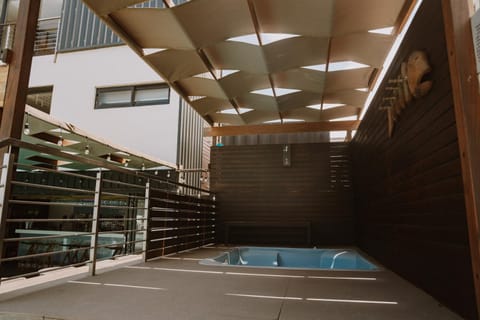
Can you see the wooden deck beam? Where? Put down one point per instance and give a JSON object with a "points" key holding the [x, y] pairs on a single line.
{"points": [[281, 128]]}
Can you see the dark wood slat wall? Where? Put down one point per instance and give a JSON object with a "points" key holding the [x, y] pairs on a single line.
{"points": [[254, 188], [409, 202], [178, 222]]}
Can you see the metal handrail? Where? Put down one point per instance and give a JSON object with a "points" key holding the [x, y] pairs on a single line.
{"points": [[93, 162], [46, 186], [82, 195], [43, 43]]}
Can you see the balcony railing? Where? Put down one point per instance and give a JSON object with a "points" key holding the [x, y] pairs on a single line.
{"points": [[45, 39], [53, 218]]}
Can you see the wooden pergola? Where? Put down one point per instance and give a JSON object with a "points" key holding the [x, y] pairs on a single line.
{"points": [[197, 37]]}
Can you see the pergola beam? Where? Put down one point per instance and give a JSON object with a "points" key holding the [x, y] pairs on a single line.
{"points": [[281, 128]]}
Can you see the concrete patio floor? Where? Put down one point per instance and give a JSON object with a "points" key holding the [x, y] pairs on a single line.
{"points": [[177, 287]]}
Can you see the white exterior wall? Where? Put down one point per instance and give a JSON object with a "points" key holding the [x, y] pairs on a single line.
{"points": [[76, 75]]}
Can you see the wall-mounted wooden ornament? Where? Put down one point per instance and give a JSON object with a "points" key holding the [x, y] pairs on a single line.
{"points": [[411, 83]]}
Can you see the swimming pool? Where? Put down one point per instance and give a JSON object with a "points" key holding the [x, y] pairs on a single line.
{"points": [[324, 259]]}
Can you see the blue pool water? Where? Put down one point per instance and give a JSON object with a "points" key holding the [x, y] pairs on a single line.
{"points": [[325, 259]]}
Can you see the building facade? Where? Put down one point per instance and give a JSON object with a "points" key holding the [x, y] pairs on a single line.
{"points": [[83, 74]]}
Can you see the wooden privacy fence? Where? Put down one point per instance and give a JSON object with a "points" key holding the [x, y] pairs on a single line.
{"points": [[178, 222]]}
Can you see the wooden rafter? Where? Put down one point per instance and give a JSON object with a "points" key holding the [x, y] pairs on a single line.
{"points": [[281, 128]]}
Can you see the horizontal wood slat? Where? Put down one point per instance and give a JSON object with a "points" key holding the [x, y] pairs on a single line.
{"points": [[258, 197], [178, 222]]}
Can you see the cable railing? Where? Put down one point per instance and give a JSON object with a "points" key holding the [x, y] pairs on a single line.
{"points": [[45, 38], [54, 218]]}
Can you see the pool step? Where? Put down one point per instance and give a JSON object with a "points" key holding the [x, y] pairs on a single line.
{"points": [[264, 259]]}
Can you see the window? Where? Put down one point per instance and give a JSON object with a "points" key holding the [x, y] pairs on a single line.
{"points": [[132, 96], [40, 98]]}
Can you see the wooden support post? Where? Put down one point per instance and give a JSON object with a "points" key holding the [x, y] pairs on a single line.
{"points": [[19, 72], [11, 125], [467, 113]]}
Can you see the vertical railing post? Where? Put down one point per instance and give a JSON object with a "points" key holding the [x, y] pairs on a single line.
{"points": [[146, 217], [96, 210], [5, 187], [57, 39]]}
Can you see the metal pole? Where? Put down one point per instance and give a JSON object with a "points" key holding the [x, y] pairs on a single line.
{"points": [[146, 217], [96, 210]]}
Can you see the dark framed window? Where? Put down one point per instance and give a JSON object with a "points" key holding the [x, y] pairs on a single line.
{"points": [[132, 96], [40, 98]]}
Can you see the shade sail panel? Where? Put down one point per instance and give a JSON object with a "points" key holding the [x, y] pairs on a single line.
{"points": [[339, 112], [105, 7], [202, 87], [351, 16], [237, 56], [271, 44], [305, 114], [302, 79], [232, 119], [257, 117], [241, 83], [257, 102], [350, 97], [211, 21], [209, 105], [303, 17], [153, 28], [174, 65], [348, 79], [298, 99], [296, 52], [367, 48]]}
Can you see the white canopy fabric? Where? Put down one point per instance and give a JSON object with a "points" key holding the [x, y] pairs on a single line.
{"points": [[195, 48]]}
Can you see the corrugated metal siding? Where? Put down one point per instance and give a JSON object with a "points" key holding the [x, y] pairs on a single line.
{"points": [[81, 29], [190, 143]]}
